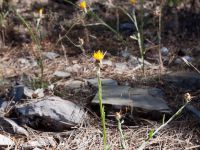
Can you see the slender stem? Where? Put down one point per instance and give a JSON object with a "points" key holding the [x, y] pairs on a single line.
{"points": [[162, 126], [141, 31], [140, 36], [123, 143], [102, 112], [159, 36]]}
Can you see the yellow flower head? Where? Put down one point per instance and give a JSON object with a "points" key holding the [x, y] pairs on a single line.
{"points": [[41, 12], [133, 2], [83, 4], [98, 55]]}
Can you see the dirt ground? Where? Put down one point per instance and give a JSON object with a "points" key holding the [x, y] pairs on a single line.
{"points": [[65, 27]]}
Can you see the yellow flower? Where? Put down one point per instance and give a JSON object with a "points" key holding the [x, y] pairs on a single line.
{"points": [[83, 4], [133, 2], [41, 12], [98, 55]]}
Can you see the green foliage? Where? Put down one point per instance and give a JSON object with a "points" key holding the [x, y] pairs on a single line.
{"points": [[37, 84], [172, 3]]}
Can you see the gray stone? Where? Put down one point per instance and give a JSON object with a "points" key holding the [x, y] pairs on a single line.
{"points": [[106, 81], [144, 98], [183, 80], [107, 62], [194, 111], [184, 60], [3, 105], [125, 53], [40, 142], [17, 92], [121, 67], [62, 74], [10, 126], [27, 62], [74, 84], [164, 51], [38, 93], [5, 141], [50, 55], [74, 68], [52, 112], [187, 58], [135, 61]]}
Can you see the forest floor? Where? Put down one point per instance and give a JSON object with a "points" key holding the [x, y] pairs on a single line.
{"points": [[72, 38]]}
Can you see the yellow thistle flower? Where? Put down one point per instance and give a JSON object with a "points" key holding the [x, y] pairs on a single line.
{"points": [[133, 2], [98, 55], [83, 4]]}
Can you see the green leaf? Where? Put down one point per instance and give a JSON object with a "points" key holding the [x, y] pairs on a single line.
{"points": [[151, 133]]}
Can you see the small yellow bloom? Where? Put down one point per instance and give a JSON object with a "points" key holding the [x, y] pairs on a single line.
{"points": [[83, 4], [41, 12], [133, 2], [98, 55]]}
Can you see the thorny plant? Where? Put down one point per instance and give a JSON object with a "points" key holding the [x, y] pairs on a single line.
{"points": [[36, 38], [98, 56]]}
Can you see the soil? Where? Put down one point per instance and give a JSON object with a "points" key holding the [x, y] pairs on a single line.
{"points": [[64, 28]]}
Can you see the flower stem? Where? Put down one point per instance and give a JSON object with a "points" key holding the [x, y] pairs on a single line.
{"points": [[122, 138], [102, 112]]}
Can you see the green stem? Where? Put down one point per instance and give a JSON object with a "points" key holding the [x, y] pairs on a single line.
{"points": [[123, 143], [159, 36], [142, 49], [102, 112], [140, 36], [162, 126]]}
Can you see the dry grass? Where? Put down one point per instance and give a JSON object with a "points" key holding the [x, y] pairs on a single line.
{"points": [[179, 135]]}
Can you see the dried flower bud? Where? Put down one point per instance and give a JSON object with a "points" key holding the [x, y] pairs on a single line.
{"points": [[118, 115], [187, 97]]}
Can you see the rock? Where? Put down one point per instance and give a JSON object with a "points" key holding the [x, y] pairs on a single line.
{"points": [[120, 67], [106, 81], [135, 61], [183, 60], [52, 113], [164, 51], [127, 28], [74, 68], [194, 111], [38, 93], [27, 62], [50, 55], [10, 126], [125, 53], [17, 92], [62, 74], [74, 84], [5, 141], [183, 80], [187, 58], [40, 142], [107, 62], [3, 105], [27, 3], [28, 92], [148, 99]]}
